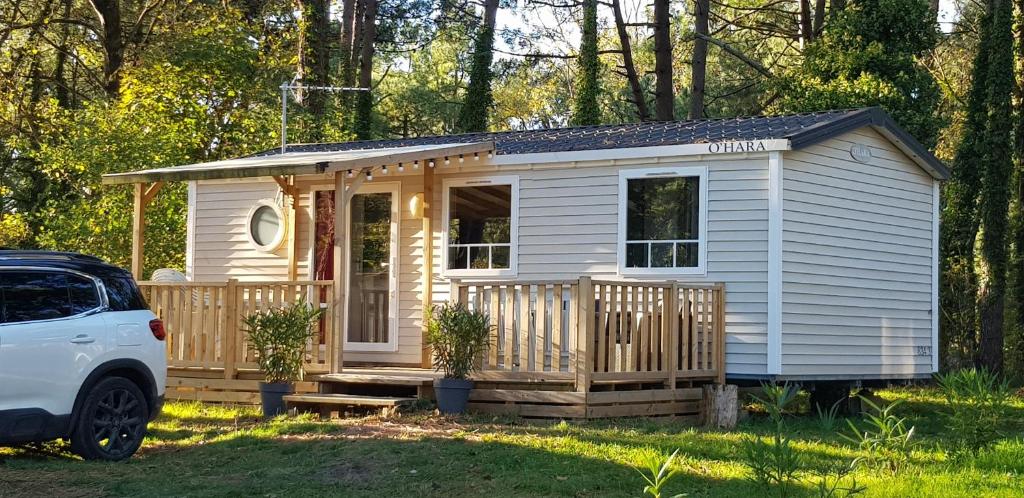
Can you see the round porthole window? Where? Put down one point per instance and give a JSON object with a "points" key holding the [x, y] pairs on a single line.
{"points": [[266, 226]]}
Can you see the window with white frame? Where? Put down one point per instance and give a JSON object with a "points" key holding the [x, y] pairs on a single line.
{"points": [[662, 219], [481, 218]]}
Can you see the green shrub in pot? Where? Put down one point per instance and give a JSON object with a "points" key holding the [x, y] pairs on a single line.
{"points": [[458, 336], [278, 337]]}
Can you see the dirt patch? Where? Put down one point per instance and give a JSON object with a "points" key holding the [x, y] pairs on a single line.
{"points": [[41, 484]]}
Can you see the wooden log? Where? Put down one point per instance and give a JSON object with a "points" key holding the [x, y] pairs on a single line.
{"points": [[720, 406]]}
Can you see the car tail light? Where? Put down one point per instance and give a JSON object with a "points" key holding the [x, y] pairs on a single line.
{"points": [[156, 325]]}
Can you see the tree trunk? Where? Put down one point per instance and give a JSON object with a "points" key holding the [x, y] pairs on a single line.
{"points": [[664, 98], [108, 12], [995, 193], [314, 60], [721, 406], [699, 62], [1018, 243], [364, 106], [346, 44], [806, 28], [639, 99], [586, 111], [62, 91], [819, 17], [477, 105]]}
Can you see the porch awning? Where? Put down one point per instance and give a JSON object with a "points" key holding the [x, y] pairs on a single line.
{"points": [[298, 163]]}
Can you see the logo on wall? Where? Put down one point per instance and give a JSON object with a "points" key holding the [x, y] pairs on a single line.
{"points": [[732, 147]]}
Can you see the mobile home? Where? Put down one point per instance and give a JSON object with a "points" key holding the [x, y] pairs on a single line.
{"points": [[652, 256]]}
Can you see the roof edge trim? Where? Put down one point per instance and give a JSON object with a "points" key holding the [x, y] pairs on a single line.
{"points": [[878, 119]]}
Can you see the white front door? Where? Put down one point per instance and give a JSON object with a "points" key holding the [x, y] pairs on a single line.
{"points": [[372, 283]]}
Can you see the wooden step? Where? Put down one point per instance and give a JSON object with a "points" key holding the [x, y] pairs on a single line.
{"points": [[393, 379], [347, 400]]}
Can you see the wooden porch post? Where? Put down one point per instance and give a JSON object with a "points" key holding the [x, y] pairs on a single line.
{"points": [[138, 228], [143, 195], [427, 271], [340, 301], [292, 193], [585, 334]]}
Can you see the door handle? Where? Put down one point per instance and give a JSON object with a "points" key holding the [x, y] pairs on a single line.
{"points": [[82, 339]]}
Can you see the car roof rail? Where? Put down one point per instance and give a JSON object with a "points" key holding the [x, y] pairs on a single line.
{"points": [[47, 255]]}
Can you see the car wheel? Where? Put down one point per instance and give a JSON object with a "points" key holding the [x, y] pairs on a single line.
{"points": [[111, 422]]}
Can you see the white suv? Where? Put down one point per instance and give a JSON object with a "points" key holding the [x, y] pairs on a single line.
{"points": [[81, 355]]}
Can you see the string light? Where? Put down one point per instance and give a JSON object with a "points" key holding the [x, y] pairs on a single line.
{"points": [[401, 168], [447, 161], [431, 163], [476, 156], [384, 170], [350, 173], [369, 176], [416, 164], [489, 155], [461, 159]]}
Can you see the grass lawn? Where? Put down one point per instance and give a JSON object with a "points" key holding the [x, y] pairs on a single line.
{"points": [[207, 450]]}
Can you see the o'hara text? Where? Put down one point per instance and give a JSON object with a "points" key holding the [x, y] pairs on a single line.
{"points": [[730, 147]]}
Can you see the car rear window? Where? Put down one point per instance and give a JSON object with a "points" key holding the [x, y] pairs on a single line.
{"points": [[123, 294]]}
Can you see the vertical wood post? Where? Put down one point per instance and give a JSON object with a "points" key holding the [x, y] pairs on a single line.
{"points": [[720, 332], [231, 332], [340, 266], [293, 225], [427, 271], [138, 229], [585, 334], [672, 341]]}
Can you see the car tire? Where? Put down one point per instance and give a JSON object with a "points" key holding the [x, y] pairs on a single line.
{"points": [[111, 423]]}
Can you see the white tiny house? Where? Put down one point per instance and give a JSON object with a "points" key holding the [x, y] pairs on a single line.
{"points": [[819, 229]]}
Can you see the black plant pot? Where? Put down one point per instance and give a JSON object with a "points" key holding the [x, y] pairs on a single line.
{"points": [[272, 396], [452, 395]]}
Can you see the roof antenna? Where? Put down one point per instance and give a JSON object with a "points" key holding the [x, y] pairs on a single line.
{"points": [[296, 86]]}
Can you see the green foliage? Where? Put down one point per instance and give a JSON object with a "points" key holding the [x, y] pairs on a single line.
{"points": [[14, 231], [457, 337], [774, 464], [657, 470], [588, 86], [887, 440], [838, 482], [829, 418], [868, 56], [977, 401], [279, 336]]}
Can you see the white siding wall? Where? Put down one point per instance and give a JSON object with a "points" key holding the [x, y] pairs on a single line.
{"points": [[856, 261], [568, 225], [222, 250]]}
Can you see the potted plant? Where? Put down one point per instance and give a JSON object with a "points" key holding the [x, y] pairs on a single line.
{"points": [[457, 336], [278, 336]]}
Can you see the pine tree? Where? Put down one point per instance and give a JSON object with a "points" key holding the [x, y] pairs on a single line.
{"points": [[960, 220], [997, 163], [585, 110], [476, 107]]}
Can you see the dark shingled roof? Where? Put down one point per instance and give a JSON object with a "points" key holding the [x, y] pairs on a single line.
{"points": [[801, 130], [607, 136]]}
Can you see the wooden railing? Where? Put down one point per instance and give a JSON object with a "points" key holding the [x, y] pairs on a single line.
{"points": [[600, 332], [204, 326]]}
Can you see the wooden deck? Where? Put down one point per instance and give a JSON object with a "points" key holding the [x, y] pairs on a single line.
{"points": [[565, 349]]}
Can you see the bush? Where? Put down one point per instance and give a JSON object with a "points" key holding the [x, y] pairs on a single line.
{"points": [[978, 401], [659, 472], [887, 440], [278, 336], [458, 336], [776, 463]]}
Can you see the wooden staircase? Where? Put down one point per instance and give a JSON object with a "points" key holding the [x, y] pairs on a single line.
{"points": [[366, 389]]}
